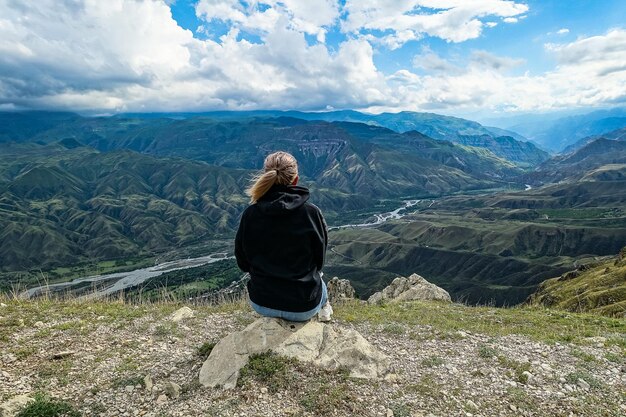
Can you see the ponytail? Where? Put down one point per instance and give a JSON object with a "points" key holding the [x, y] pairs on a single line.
{"points": [[278, 168], [261, 184]]}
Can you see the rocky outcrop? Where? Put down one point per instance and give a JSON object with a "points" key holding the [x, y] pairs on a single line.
{"points": [[339, 290], [318, 343], [182, 313], [412, 288]]}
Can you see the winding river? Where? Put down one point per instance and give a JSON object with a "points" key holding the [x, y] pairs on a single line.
{"points": [[121, 280]]}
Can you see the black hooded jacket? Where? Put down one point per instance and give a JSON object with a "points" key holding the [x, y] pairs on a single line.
{"points": [[281, 242]]}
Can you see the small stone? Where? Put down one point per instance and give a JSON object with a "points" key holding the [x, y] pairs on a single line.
{"points": [[38, 324], [129, 388], [583, 384], [3, 305], [528, 376], [172, 389], [162, 399], [389, 412], [62, 354], [148, 383], [263, 390], [513, 407], [471, 404]]}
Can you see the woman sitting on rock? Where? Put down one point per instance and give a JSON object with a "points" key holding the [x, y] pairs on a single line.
{"points": [[281, 242]]}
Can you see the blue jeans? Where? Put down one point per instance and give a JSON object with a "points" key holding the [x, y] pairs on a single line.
{"points": [[288, 315]]}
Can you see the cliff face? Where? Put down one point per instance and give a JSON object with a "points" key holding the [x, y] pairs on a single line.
{"points": [[116, 359]]}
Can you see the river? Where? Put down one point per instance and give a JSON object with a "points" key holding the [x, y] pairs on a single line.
{"points": [[124, 280]]}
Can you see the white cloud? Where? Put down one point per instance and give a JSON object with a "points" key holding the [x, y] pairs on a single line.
{"points": [[132, 56], [453, 20], [312, 16], [563, 31], [431, 62], [491, 61]]}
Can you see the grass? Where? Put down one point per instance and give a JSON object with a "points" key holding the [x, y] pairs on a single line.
{"points": [[432, 361], [44, 406], [205, 349], [268, 369], [573, 378], [538, 323]]}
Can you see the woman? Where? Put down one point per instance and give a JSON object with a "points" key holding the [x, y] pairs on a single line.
{"points": [[281, 242]]}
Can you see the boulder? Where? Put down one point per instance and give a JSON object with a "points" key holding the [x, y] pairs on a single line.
{"points": [[181, 314], [412, 288], [339, 290], [318, 343], [14, 405]]}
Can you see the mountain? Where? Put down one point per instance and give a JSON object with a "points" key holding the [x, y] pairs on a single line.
{"points": [[597, 287], [493, 248], [115, 188], [619, 134], [556, 135], [62, 206], [600, 157], [506, 144]]}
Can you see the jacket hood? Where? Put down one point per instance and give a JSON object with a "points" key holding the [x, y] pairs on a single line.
{"points": [[282, 198]]}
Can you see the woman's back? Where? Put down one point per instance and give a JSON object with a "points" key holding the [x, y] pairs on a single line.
{"points": [[281, 242]]}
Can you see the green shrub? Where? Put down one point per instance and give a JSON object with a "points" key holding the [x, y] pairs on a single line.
{"points": [[44, 406]]}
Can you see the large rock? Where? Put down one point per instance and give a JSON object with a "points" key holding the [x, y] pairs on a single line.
{"points": [[14, 405], [314, 342], [182, 314], [412, 288], [339, 290]]}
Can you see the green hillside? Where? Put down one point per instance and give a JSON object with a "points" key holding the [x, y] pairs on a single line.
{"points": [[597, 287], [64, 206]]}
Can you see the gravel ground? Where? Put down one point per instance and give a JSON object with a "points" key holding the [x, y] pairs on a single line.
{"points": [[103, 361]]}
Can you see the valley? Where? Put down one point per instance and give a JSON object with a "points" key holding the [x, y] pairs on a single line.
{"points": [[485, 216]]}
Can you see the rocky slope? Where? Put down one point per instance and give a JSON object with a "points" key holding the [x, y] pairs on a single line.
{"points": [[114, 359]]}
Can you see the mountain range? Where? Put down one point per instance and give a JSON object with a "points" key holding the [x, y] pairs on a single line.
{"points": [[76, 189]]}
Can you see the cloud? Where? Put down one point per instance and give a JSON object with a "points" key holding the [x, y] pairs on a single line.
{"points": [[563, 31], [132, 56], [491, 61], [430, 62], [312, 16], [451, 20]]}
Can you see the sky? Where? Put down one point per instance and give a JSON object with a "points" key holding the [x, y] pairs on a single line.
{"points": [[457, 57]]}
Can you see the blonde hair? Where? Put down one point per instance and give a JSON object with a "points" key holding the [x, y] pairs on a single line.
{"points": [[278, 168]]}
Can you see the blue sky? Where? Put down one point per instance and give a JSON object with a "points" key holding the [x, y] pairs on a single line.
{"points": [[488, 57]]}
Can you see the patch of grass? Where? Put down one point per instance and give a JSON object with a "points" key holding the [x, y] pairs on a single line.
{"points": [[394, 329], [537, 323], [612, 357], [431, 361], [517, 368], [166, 329], [267, 368], [573, 378], [325, 398], [402, 410], [583, 356], [44, 406], [205, 349], [486, 352], [427, 387], [126, 381]]}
